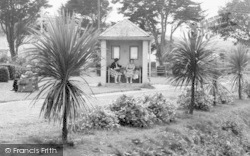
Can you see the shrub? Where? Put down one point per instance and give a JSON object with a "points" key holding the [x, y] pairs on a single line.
{"points": [[20, 61], [143, 112], [224, 96], [19, 71], [203, 101], [131, 112], [231, 126], [200, 139], [162, 109], [121, 102], [4, 58], [97, 119], [11, 70], [247, 90], [4, 74]]}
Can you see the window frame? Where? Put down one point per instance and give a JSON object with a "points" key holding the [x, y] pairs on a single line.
{"points": [[130, 52], [112, 51]]}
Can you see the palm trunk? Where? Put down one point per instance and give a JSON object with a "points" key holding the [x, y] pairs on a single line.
{"points": [[65, 121], [64, 129], [191, 107], [240, 88], [215, 88], [214, 95]]}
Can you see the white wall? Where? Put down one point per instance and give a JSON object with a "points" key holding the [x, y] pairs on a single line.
{"points": [[124, 52]]}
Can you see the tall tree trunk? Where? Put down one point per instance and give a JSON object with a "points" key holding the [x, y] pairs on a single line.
{"points": [[159, 56], [162, 48], [158, 49], [240, 87], [10, 30], [191, 106], [11, 43]]}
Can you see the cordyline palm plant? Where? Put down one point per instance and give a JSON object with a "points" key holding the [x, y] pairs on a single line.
{"points": [[192, 63], [214, 87], [62, 51], [238, 61]]}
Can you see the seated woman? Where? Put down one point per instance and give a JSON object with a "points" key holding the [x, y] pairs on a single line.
{"points": [[130, 71], [116, 70]]}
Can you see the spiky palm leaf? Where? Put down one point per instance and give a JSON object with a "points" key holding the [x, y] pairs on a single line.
{"points": [[215, 87], [192, 58], [61, 52], [192, 61], [238, 62]]}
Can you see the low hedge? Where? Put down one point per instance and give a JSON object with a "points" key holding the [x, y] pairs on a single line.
{"points": [[11, 70], [4, 74]]}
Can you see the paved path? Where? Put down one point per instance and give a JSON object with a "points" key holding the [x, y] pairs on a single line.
{"points": [[7, 95]]}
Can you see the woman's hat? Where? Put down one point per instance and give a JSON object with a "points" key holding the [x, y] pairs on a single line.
{"points": [[116, 59]]}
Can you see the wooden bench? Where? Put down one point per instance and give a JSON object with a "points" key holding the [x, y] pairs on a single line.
{"points": [[161, 70], [123, 78]]}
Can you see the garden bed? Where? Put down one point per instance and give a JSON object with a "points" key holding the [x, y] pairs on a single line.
{"points": [[125, 139]]}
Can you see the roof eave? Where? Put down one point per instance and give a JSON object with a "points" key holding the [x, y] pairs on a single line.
{"points": [[126, 38]]}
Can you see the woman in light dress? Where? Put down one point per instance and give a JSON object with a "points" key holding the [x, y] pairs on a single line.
{"points": [[130, 71]]}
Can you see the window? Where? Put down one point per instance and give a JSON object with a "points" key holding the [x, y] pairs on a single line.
{"points": [[134, 53], [115, 52]]}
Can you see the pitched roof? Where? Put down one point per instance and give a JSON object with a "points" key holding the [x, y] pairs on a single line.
{"points": [[125, 30]]}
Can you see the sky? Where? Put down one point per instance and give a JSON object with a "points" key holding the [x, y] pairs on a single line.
{"points": [[211, 6]]}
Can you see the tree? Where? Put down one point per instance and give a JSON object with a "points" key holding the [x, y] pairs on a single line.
{"points": [[238, 61], [89, 10], [192, 63], [61, 52], [154, 16], [235, 21], [15, 16]]}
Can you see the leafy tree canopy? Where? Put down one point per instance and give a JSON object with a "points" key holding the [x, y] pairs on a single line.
{"points": [[20, 9], [15, 15], [89, 9], [154, 16], [236, 21]]}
